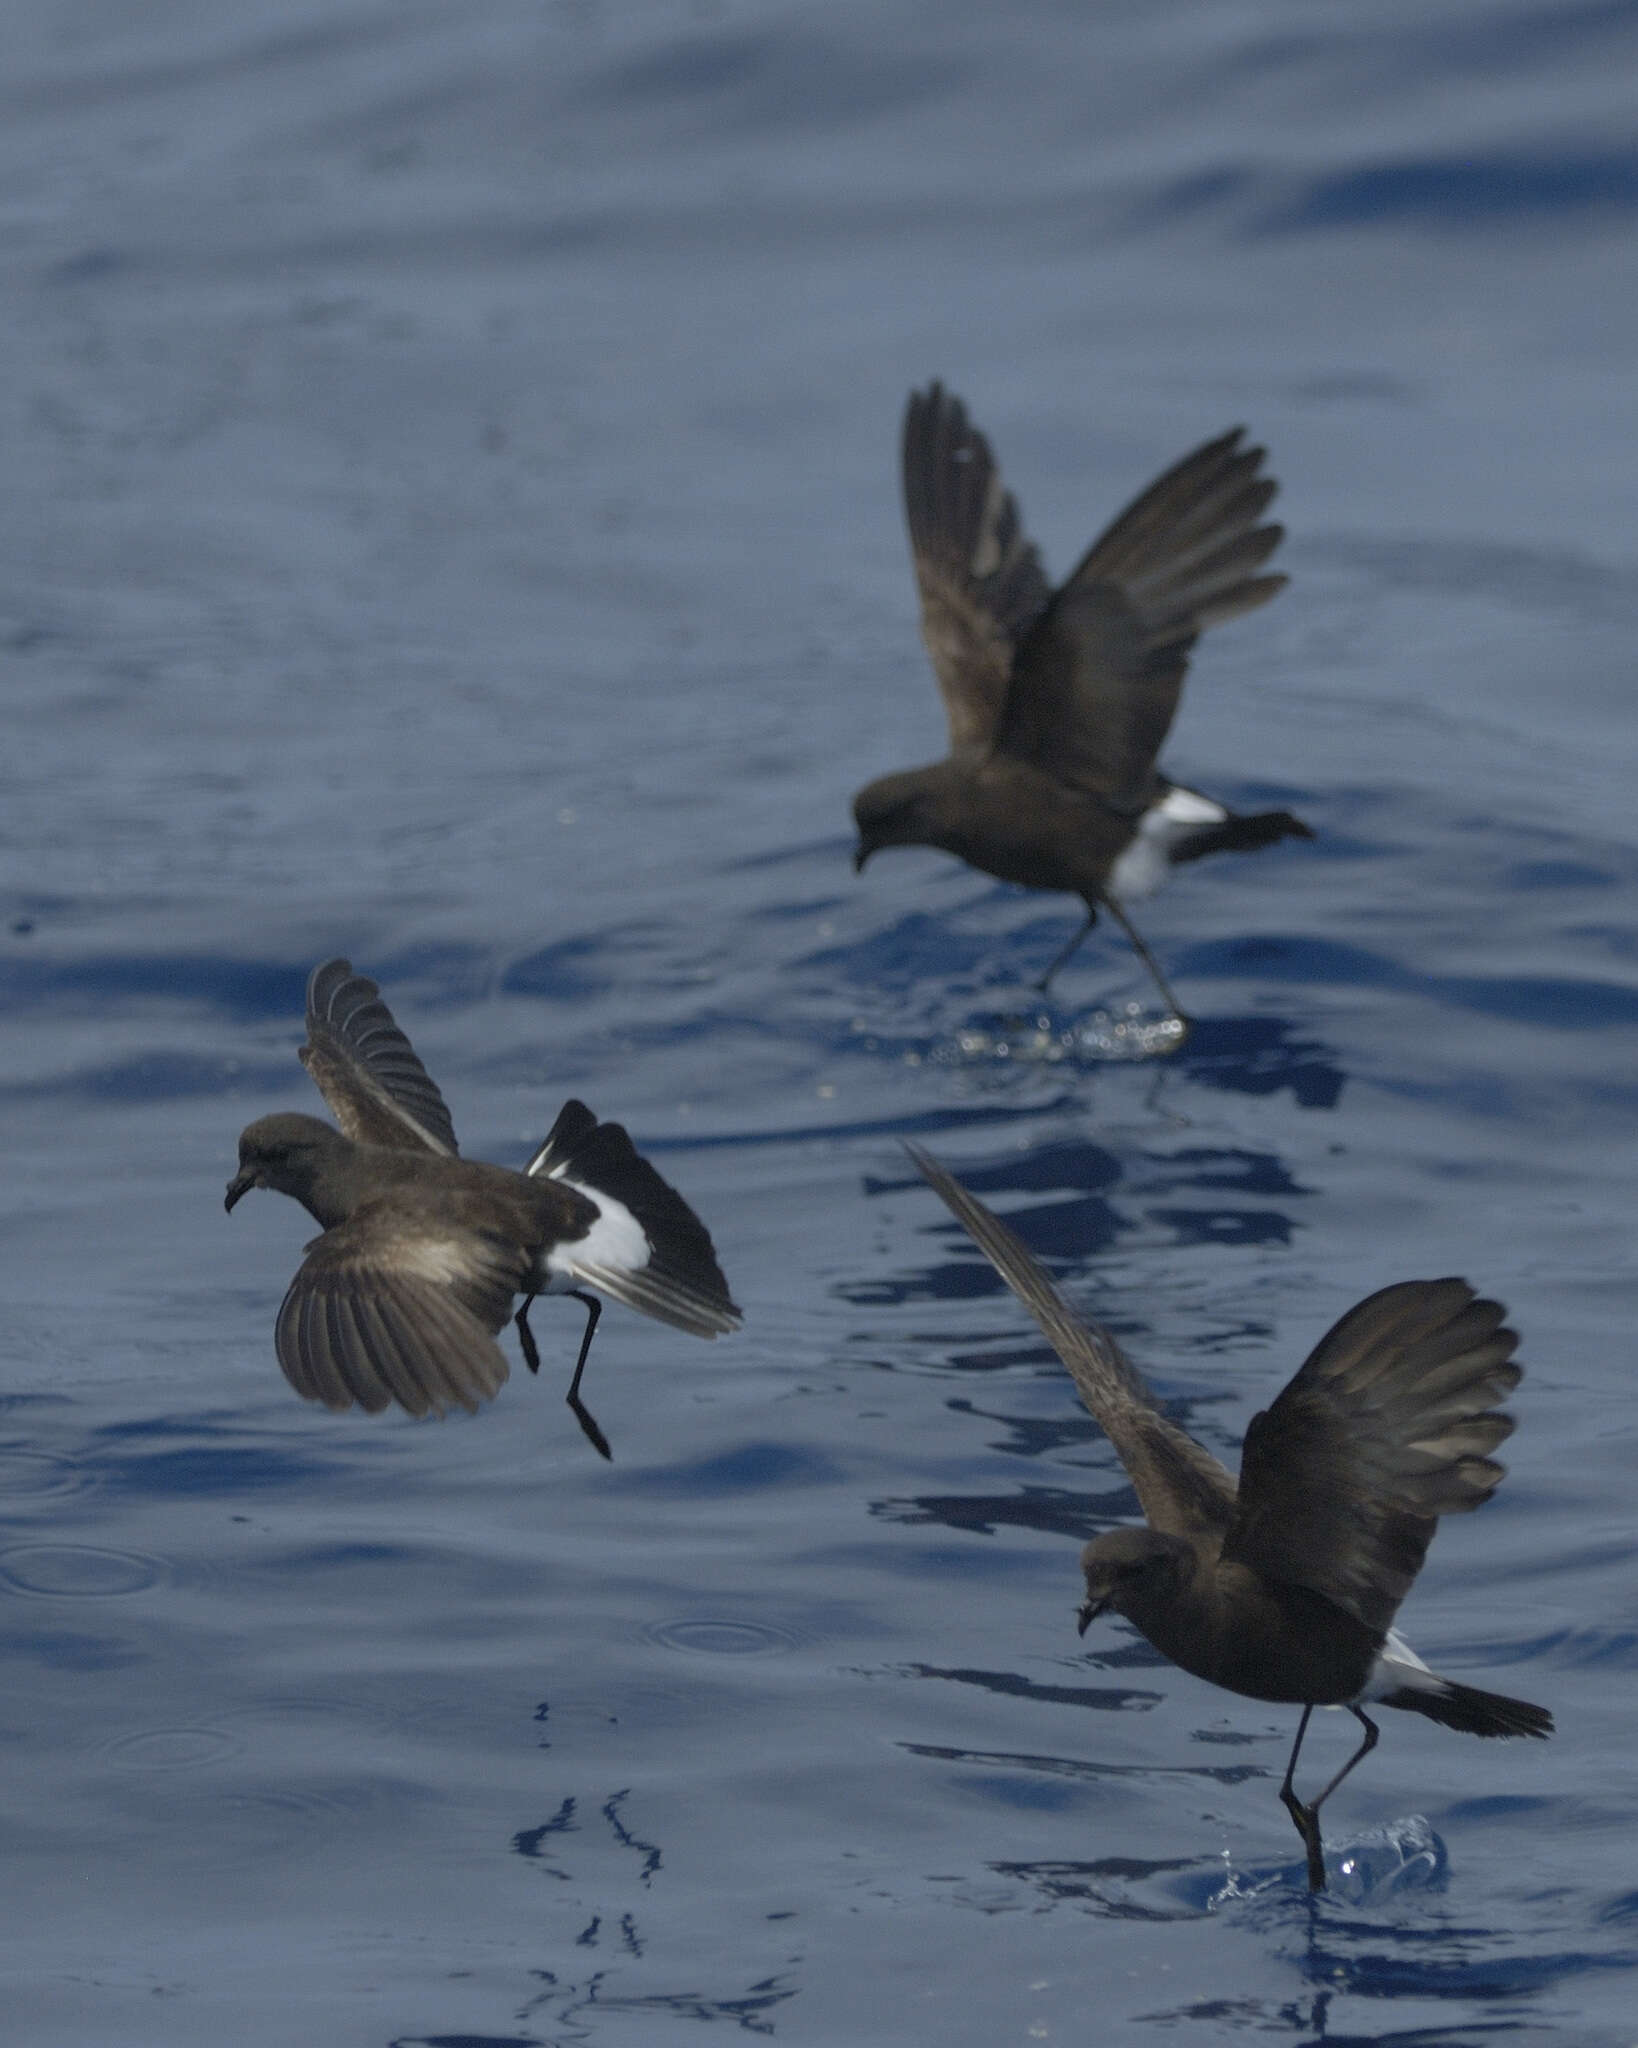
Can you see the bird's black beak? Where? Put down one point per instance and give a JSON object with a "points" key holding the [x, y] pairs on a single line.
{"points": [[861, 853], [1089, 1613], [241, 1184]]}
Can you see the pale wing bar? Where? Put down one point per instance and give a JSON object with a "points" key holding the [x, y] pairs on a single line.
{"points": [[351, 1339]]}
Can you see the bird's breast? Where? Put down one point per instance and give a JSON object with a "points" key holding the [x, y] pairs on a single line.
{"points": [[1027, 827], [1268, 1642]]}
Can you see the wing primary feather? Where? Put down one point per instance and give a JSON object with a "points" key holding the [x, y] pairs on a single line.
{"points": [[1179, 495], [661, 1296], [1182, 1487], [1387, 1426], [365, 1066], [978, 574], [1096, 684]]}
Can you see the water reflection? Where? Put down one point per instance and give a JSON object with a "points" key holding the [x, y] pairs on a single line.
{"points": [[1109, 1198], [1107, 1699], [577, 2004], [1048, 1510]]}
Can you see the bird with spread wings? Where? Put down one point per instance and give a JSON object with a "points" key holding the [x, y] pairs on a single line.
{"points": [[1058, 701]]}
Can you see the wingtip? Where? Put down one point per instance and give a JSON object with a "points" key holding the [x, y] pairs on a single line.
{"points": [[937, 1176], [328, 976]]}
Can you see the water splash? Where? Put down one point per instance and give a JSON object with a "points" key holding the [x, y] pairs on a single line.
{"points": [[1378, 1864], [1041, 1040]]}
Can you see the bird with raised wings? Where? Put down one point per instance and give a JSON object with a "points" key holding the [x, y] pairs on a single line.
{"points": [[423, 1252], [1058, 701], [1285, 1587]]}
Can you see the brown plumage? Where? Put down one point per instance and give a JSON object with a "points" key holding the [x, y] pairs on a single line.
{"points": [[1058, 702], [423, 1252], [1285, 1587]]}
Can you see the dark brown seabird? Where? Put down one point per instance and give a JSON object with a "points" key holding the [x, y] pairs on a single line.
{"points": [[1058, 701], [402, 1297], [1287, 1588]]}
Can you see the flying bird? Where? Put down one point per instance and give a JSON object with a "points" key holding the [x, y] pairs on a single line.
{"points": [[1058, 701], [402, 1297], [1285, 1587]]}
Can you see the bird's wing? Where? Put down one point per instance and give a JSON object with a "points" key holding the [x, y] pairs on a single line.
{"points": [[1096, 684], [1183, 1489], [393, 1305], [979, 577], [647, 1247], [366, 1069], [1388, 1425]]}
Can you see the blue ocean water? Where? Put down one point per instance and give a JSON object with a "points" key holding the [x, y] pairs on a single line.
{"points": [[453, 521]]}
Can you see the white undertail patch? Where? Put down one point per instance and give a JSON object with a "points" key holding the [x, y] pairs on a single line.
{"points": [[616, 1240], [1147, 862], [1399, 1669]]}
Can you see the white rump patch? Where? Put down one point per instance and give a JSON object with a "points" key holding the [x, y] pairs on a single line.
{"points": [[1398, 1668], [615, 1240], [1147, 861], [1180, 806]]}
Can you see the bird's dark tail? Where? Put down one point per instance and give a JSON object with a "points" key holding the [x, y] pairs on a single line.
{"points": [[676, 1276], [1471, 1712], [1239, 835]]}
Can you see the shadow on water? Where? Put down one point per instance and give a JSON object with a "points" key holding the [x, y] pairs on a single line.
{"points": [[195, 1458], [571, 2006], [575, 2006], [1551, 1002], [1260, 1056], [1107, 1699], [1021, 1767], [240, 989], [1047, 1510], [1067, 1233], [1039, 1436]]}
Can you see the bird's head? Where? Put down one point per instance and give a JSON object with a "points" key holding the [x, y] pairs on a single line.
{"points": [[287, 1153], [1134, 1571], [917, 807]]}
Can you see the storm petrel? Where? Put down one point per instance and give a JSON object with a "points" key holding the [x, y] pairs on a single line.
{"points": [[1058, 701], [402, 1297], [1286, 1588]]}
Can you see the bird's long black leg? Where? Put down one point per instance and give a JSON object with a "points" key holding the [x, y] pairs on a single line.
{"points": [[1068, 952], [526, 1336], [582, 1414], [1306, 1819], [531, 1358], [1149, 961], [1359, 1756]]}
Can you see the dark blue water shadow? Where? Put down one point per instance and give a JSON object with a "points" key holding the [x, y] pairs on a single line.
{"points": [[1047, 1510], [1463, 192], [1261, 1056], [242, 989], [1066, 1234], [1103, 1699]]}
